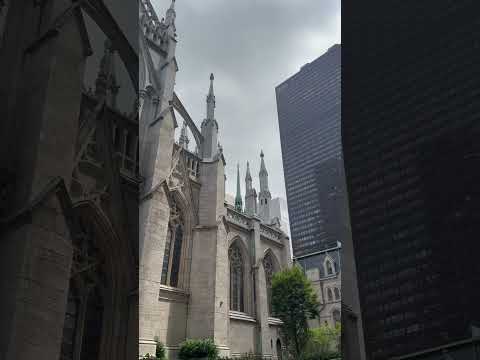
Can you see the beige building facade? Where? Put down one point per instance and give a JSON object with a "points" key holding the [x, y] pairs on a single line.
{"points": [[205, 265], [323, 269]]}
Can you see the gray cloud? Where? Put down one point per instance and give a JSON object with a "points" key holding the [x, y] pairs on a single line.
{"points": [[251, 46]]}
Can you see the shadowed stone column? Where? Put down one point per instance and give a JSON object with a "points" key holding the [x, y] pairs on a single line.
{"points": [[35, 253]]}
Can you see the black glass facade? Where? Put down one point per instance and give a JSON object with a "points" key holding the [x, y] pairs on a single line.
{"points": [[410, 131], [309, 110]]}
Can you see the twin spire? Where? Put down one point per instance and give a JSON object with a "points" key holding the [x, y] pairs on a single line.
{"points": [[251, 194]]}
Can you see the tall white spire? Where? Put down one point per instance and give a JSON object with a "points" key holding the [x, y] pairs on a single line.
{"points": [[263, 174], [209, 130], [248, 177], [238, 198], [264, 196], [211, 100], [250, 194]]}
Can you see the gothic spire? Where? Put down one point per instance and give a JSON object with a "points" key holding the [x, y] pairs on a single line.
{"points": [[183, 141], [264, 194], [171, 14], [210, 146], [238, 198], [263, 169], [210, 100], [248, 176]]}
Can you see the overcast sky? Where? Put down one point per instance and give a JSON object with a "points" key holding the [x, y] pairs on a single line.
{"points": [[251, 46]]}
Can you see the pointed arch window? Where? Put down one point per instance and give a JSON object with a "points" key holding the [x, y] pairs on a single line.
{"points": [[329, 295], [236, 279], [336, 316], [329, 267], [173, 249], [336, 291], [83, 319], [269, 270]]}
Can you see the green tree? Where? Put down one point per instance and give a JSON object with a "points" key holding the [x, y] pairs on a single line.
{"points": [[324, 343], [294, 301]]}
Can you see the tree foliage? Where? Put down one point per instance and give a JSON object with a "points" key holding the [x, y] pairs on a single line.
{"points": [[324, 343], [294, 301]]}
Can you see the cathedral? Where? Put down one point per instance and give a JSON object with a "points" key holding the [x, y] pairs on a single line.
{"points": [[205, 266]]}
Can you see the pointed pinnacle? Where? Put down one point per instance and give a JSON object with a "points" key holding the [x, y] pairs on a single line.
{"points": [[248, 176]]}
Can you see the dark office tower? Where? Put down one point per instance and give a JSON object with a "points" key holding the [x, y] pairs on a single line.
{"points": [[308, 105], [410, 132]]}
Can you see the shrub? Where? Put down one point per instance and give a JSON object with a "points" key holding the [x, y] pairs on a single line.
{"points": [[194, 348], [248, 356], [159, 350], [147, 356], [323, 344]]}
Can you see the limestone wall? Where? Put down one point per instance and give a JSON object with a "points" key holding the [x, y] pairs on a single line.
{"points": [[242, 336]]}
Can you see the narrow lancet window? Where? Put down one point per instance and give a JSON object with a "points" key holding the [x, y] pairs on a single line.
{"points": [[236, 279]]}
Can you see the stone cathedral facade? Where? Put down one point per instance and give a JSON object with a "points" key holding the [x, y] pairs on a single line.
{"points": [[205, 266]]}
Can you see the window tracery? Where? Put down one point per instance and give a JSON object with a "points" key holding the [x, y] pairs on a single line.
{"points": [[336, 291], [236, 279], [82, 329], [329, 267], [269, 270], [173, 248], [329, 295]]}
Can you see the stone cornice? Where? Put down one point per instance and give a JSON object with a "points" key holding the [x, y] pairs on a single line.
{"points": [[274, 321], [236, 315], [205, 227], [172, 294]]}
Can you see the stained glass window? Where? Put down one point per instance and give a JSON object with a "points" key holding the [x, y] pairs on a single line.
{"points": [[268, 266], [173, 248], [236, 279]]}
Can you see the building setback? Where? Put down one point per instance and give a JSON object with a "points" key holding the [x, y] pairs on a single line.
{"points": [[308, 105], [410, 130]]}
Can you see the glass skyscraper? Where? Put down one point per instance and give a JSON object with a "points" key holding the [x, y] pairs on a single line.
{"points": [[309, 110], [410, 131]]}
